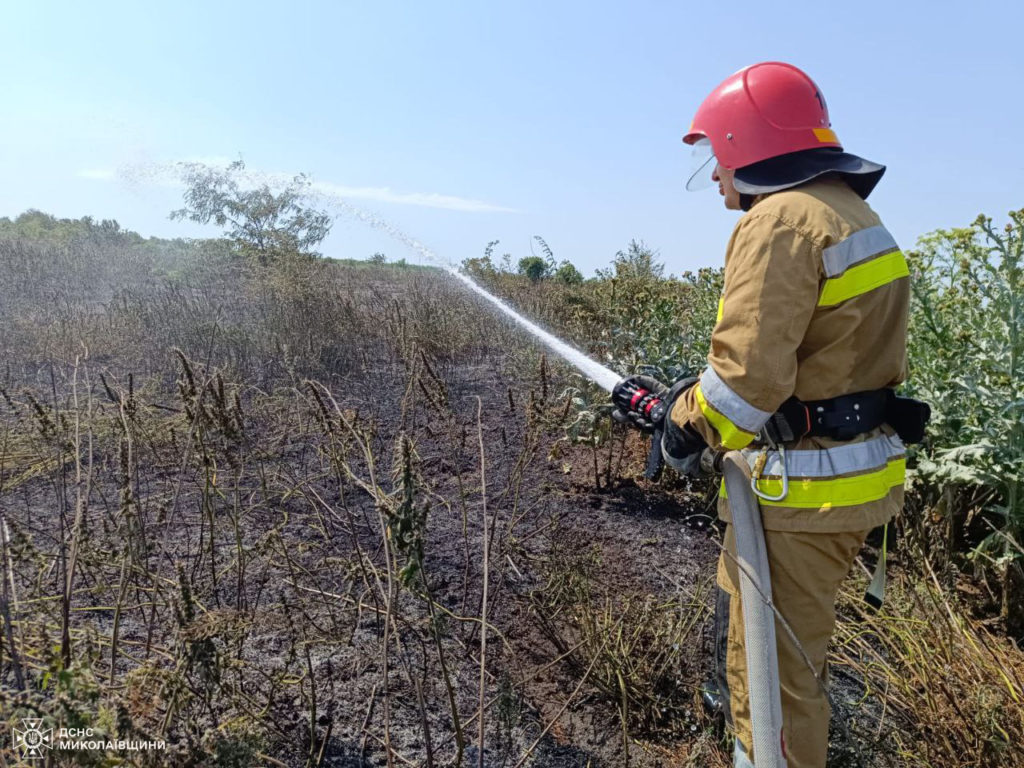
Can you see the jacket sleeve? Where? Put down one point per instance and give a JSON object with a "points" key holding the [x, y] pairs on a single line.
{"points": [[772, 274]]}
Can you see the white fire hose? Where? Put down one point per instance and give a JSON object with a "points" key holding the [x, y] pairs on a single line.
{"points": [[758, 615]]}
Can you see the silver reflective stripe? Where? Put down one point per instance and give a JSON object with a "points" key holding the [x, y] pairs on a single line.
{"points": [[737, 410], [830, 462], [856, 248]]}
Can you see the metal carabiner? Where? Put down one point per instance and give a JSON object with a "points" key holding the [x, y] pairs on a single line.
{"points": [[758, 468]]}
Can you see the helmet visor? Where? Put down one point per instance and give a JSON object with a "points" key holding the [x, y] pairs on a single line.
{"points": [[702, 163]]}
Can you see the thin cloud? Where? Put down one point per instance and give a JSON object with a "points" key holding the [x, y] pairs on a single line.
{"points": [[423, 199], [169, 175]]}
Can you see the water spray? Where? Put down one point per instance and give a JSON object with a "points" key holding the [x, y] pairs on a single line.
{"points": [[604, 377], [170, 174], [626, 394]]}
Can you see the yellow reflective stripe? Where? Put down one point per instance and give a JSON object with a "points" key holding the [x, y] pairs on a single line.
{"points": [[825, 135], [721, 306], [863, 278], [733, 437], [815, 493]]}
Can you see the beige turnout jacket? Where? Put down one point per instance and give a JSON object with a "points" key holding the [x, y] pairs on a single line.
{"points": [[815, 305]]}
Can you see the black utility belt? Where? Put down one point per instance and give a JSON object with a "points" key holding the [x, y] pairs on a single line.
{"points": [[846, 416]]}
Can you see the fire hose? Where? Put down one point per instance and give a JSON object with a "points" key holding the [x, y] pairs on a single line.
{"points": [[758, 614], [645, 403]]}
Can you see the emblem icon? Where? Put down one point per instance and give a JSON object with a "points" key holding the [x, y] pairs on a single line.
{"points": [[34, 739]]}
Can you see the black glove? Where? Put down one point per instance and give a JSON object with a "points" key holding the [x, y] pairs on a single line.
{"points": [[682, 448], [644, 402]]}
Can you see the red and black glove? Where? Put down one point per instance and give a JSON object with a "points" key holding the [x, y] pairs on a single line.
{"points": [[645, 403]]}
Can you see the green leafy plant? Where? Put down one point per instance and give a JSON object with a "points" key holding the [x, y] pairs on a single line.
{"points": [[533, 267], [568, 273], [967, 354]]}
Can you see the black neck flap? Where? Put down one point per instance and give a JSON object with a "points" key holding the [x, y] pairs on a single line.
{"points": [[785, 171]]}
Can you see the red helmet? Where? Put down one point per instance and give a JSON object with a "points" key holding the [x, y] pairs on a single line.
{"points": [[764, 110]]}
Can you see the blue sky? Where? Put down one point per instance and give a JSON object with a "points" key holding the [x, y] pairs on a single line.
{"points": [[466, 122]]}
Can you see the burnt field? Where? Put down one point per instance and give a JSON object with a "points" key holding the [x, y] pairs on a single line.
{"points": [[324, 514], [263, 537]]}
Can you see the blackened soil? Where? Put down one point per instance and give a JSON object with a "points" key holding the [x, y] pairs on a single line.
{"points": [[335, 568], [548, 521]]}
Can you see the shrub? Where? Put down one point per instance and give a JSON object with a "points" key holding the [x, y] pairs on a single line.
{"points": [[967, 356], [533, 267], [568, 274]]}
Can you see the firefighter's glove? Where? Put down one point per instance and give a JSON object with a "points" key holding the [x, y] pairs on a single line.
{"points": [[645, 403], [640, 402], [682, 447]]}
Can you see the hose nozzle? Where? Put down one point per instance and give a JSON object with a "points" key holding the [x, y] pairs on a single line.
{"points": [[644, 404]]}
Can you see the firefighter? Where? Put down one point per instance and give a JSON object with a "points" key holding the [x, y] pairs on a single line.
{"points": [[809, 344]]}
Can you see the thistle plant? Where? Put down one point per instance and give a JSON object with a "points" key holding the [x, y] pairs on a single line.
{"points": [[967, 358]]}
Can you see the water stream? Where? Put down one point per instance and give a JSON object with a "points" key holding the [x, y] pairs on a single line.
{"points": [[171, 174], [599, 374]]}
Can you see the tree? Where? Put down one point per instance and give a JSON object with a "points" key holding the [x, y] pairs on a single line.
{"points": [[378, 258], [534, 267], [262, 225], [42, 227], [568, 274], [637, 262]]}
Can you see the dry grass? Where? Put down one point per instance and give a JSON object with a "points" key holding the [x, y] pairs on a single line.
{"points": [[938, 687], [635, 651]]}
